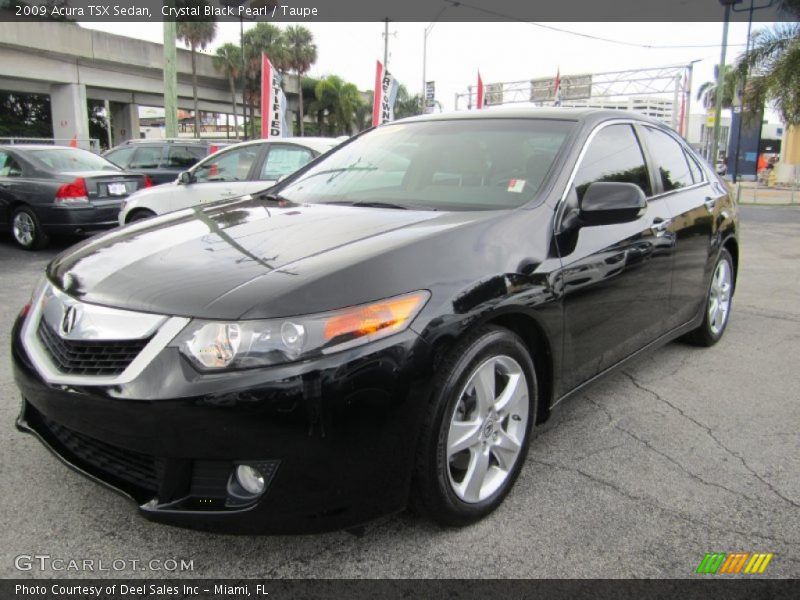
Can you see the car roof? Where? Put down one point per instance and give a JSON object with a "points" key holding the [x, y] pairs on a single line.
{"points": [[586, 115], [319, 144], [177, 141], [37, 147]]}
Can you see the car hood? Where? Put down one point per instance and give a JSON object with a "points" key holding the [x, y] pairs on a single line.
{"points": [[239, 258]]}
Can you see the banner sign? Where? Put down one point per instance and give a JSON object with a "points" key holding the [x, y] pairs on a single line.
{"points": [[273, 102], [479, 101], [494, 94], [430, 97], [570, 87], [386, 87]]}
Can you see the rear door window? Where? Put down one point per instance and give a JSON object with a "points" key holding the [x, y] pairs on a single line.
{"points": [[146, 157], [183, 157], [284, 159], [9, 167]]}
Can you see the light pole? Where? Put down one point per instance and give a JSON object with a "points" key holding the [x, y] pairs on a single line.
{"points": [[425, 35], [427, 31], [721, 80]]}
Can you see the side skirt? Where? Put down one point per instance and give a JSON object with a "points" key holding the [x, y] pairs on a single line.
{"points": [[654, 345]]}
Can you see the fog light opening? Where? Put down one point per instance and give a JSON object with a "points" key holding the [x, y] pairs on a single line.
{"points": [[251, 480]]}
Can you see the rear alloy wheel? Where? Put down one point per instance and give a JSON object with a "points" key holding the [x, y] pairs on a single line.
{"points": [[477, 431], [26, 230], [718, 303]]}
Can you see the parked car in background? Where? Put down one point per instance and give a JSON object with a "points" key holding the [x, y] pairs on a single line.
{"points": [[162, 160], [235, 171], [48, 189], [386, 325]]}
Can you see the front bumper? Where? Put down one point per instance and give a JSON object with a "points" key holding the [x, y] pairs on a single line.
{"points": [[339, 431]]}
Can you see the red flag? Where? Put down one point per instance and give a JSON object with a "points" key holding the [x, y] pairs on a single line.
{"points": [[73, 143], [377, 96], [479, 103]]}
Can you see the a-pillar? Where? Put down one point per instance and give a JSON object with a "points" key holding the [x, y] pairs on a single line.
{"points": [[124, 122], [70, 114]]}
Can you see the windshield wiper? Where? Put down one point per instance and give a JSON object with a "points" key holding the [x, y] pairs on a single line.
{"points": [[366, 203]]}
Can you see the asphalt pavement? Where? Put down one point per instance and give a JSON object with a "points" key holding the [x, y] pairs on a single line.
{"points": [[687, 451]]}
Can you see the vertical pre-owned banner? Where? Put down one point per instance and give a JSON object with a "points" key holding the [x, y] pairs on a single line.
{"points": [[386, 88], [430, 96], [273, 102]]}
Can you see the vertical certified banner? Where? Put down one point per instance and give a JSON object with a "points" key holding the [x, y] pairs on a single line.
{"points": [[386, 87], [273, 102], [479, 101], [430, 96]]}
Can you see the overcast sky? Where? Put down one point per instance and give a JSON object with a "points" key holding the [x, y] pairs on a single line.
{"points": [[502, 51]]}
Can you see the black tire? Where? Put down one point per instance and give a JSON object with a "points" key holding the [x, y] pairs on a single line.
{"points": [[433, 491], [26, 229], [140, 215], [707, 334]]}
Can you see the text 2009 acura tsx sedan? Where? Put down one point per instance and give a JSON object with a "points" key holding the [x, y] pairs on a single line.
{"points": [[383, 328]]}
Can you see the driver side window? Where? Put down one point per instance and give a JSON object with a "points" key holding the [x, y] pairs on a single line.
{"points": [[614, 155], [233, 165]]}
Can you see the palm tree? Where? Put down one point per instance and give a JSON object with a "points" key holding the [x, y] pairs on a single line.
{"points": [[707, 93], [364, 112], [196, 34], [301, 53], [407, 105], [340, 100], [772, 66], [228, 59], [267, 39]]}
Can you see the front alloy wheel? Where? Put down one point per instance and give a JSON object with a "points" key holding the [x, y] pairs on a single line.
{"points": [[477, 427], [487, 429]]}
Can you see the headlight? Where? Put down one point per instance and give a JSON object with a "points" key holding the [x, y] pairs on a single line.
{"points": [[213, 345]]}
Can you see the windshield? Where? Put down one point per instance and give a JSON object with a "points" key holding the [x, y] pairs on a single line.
{"points": [[464, 164], [69, 160]]}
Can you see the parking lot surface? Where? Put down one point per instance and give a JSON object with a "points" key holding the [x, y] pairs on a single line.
{"points": [[686, 451]]}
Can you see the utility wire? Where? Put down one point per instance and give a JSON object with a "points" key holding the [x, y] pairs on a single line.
{"points": [[583, 35]]}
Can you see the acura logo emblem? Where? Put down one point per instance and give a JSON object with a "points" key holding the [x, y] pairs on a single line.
{"points": [[70, 319]]}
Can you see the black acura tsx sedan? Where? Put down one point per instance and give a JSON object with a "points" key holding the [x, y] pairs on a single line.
{"points": [[384, 328]]}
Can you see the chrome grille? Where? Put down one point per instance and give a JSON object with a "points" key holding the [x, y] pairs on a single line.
{"points": [[88, 357]]}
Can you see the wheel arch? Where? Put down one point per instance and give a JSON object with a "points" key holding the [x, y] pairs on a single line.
{"points": [[138, 210], [731, 244], [535, 338]]}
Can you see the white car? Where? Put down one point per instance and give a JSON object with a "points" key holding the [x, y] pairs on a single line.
{"points": [[235, 171]]}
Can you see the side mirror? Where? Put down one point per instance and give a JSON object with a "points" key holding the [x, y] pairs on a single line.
{"points": [[186, 177], [607, 202]]}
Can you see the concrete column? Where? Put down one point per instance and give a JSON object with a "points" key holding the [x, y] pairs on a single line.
{"points": [[70, 113], [124, 122]]}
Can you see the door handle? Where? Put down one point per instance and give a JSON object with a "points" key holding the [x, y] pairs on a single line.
{"points": [[710, 203], [660, 226]]}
